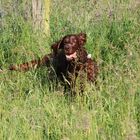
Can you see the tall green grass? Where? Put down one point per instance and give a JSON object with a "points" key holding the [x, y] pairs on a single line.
{"points": [[32, 107]]}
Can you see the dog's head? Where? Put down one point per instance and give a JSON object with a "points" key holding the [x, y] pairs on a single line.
{"points": [[69, 44]]}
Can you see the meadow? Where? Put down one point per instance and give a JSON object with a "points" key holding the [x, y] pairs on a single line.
{"points": [[34, 108]]}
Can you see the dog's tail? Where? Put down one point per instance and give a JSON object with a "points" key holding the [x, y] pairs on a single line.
{"points": [[45, 61]]}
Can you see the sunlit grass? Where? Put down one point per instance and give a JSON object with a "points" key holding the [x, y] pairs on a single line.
{"points": [[31, 107]]}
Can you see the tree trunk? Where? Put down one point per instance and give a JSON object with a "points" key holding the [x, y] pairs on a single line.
{"points": [[40, 15], [47, 16]]}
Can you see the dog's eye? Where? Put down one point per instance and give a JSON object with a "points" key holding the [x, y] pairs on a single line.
{"points": [[66, 41], [74, 40]]}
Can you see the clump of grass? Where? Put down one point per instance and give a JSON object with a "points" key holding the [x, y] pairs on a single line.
{"points": [[30, 105]]}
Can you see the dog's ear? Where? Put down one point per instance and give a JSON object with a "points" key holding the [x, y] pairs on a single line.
{"points": [[56, 46], [82, 37]]}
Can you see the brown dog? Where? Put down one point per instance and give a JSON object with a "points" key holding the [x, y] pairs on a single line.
{"points": [[68, 58]]}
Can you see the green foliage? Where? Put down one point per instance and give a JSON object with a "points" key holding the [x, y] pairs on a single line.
{"points": [[32, 107]]}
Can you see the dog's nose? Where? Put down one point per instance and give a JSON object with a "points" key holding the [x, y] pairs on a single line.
{"points": [[67, 47], [68, 50]]}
